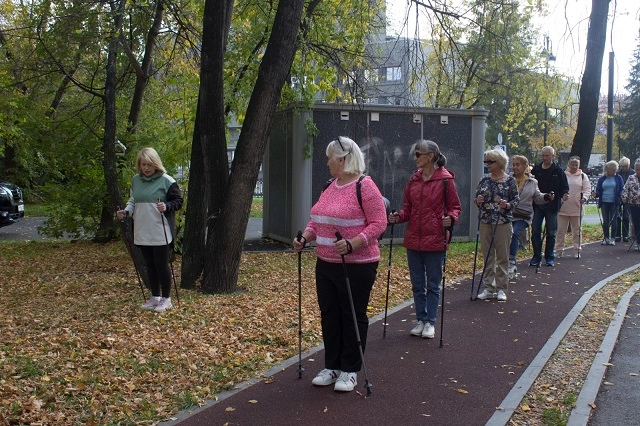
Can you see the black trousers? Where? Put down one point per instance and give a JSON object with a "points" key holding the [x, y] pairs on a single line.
{"points": [[156, 259], [336, 318]]}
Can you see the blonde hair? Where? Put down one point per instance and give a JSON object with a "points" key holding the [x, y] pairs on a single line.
{"points": [[149, 156], [521, 158], [343, 147]]}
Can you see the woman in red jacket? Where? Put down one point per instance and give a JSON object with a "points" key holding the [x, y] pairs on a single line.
{"points": [[431, 206]]}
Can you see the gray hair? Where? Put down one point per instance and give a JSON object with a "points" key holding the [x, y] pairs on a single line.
{"points": [[624, 161], [499, 156], [611, 166], [430, 146], [549, 149], [343, 147]]}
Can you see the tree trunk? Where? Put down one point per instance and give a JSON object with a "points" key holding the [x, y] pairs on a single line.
{"points": [[591, 81], [209, 169], [226, 234], [108, 143]]}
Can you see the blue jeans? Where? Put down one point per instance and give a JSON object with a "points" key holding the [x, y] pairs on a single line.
{"points": [[425, 270], [518, 226], [609, 219], [543, 213]]}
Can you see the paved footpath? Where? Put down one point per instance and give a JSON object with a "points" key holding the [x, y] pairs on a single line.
{"points": [[491, 354]]}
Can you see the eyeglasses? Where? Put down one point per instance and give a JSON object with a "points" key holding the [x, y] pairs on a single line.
{"points": [[418, 154], [489, 161]]}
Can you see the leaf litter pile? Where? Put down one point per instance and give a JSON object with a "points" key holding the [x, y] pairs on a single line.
{"points": [[75, 348]]}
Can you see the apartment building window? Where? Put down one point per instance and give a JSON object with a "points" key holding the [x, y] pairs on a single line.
{"points": [[394, 74]]}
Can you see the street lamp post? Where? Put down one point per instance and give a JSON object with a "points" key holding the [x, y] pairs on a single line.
{"points": [[549, 57]]}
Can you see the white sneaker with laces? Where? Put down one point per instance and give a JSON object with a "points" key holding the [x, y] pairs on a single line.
{"points": [[502, 297], [326, 377], [417, 330], [151, 303], [346, 382], [164, 304], [429, 331], [486, 294]]}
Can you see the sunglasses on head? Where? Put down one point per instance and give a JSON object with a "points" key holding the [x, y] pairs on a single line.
{"points": [[340, 143]]}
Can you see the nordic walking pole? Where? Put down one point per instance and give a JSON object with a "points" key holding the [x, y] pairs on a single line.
{"points": [[355, 319], [175, 285], [130, 250], [580, 228], [386, 303], [475, 256], [444, 259], [300, 369]]}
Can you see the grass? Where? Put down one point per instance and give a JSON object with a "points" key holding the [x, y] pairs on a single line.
{"points": [[256, 207]]}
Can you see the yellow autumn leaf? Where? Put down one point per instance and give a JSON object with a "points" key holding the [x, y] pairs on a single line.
{"points": [[461, 391], [229, 409], [253, 401], [525, 407]]}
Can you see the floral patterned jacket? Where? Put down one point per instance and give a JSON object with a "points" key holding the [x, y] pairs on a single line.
{"points": [[631, 190], [493, 191]]}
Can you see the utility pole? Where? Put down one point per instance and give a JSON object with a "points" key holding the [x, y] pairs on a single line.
{"points": [[549, 57]]}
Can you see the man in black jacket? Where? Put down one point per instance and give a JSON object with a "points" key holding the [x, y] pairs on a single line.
{"points": [[553, 183]]}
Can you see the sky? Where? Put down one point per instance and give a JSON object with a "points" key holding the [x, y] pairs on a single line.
{"points": [[567, 35]]}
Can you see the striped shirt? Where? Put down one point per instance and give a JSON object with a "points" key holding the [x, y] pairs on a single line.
{"points": [[338, 209]]}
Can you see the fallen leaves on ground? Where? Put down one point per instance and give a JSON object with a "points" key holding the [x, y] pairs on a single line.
{"points": [[76, 349]]}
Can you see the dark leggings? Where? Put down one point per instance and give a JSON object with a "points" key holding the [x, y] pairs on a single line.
{"points": [[157, 260]]}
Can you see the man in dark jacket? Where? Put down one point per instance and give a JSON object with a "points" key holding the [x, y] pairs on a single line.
{"points": [[553, 183]]}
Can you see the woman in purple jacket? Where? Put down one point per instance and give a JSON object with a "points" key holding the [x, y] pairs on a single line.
{"points": [[431, 206]]}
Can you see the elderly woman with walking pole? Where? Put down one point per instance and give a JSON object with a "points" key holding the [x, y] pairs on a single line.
{"points": [[155, 197], [528, 192], [631, 198], [431, 206], [352, 207], [571, 211], [496, 196], [609, 194]]}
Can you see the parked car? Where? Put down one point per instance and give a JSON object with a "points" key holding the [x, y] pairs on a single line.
{"points": [[11, 204]]}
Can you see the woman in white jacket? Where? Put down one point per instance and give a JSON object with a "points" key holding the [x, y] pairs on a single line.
{"points": [[572, 210]]}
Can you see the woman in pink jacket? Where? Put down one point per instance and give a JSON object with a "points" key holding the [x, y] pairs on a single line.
{"points": [[572, 210], [431, 206], [360, 223]]}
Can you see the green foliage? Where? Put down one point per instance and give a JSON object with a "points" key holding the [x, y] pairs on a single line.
{"points": [[629, 120]]}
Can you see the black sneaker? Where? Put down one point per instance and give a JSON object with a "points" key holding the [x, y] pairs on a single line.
{"points": [[617, 239], [549, 262], [625, 240]]}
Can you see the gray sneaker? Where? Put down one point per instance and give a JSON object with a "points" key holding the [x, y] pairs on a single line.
{"points": [[486, 294], [164, 304], [429, 331], [417, 330]]}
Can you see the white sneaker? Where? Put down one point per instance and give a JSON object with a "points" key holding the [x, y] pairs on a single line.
{"points": [[346, 382], [151, 303], [429, 331], [164, 304], [326, 377], [501, 296], [486, 294], [513, 271], [417, 330]]}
